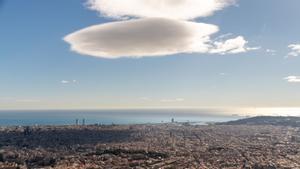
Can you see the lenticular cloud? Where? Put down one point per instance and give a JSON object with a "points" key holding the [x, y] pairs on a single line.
{"points": [[160, 27], [142, 37], [172, 9]]}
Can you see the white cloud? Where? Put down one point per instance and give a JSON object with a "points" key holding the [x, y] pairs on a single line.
{"points": [[162, 29], [68, 81], [223, 37], [272, 51], [65, 82], [172, 100], [223, 74], [151, 37], [232, 46], [293, 79], [295, 50], [142, 37], [172, 9]]}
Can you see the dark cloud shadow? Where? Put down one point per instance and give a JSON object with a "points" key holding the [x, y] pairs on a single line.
{"points": [[55, 137]]}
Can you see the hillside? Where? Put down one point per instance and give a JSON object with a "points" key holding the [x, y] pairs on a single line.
{"points": [[267, 120]]}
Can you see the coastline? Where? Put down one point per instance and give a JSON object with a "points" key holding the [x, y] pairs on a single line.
{"points": [[107, 117]]}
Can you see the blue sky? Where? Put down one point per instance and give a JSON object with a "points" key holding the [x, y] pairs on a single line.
{"points": [[39, 71]]}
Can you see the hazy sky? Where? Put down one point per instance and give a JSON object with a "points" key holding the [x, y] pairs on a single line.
{"points": [[149, 53]]}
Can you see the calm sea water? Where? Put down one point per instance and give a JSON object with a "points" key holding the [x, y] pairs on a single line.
{"points": [[66, 117]]}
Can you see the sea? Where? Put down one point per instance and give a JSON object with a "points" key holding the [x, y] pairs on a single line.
{"points": [[107, 117]]}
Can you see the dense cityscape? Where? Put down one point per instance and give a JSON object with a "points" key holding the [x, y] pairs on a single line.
{"points": [[168, 145]]}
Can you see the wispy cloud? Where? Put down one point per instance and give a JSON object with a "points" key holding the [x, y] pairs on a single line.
{"points": [[68, 81], [18, 100], [172, 100], [292, 79], [223, 74], [271, 51], [168, 100], [145, 98], [28, 100], [64, 82], [294, 50]]}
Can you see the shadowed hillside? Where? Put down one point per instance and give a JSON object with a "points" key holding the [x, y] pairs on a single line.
{"points": [[267, 120]]}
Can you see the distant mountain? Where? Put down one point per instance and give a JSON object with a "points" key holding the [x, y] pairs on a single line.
{"points": [[267, 120]]}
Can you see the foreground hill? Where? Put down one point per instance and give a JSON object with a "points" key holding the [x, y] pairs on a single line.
{"points": [[267, 120]]}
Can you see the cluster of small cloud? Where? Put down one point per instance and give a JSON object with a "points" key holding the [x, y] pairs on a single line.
{"points": [[68, 81], [231, 46], [159, 27], [292, 79], [295, 50]]}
